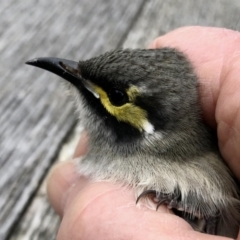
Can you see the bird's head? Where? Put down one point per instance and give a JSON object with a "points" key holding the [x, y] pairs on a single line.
{"points": [[131, 94]]}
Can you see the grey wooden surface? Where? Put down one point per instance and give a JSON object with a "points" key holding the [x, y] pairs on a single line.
{"points": [[36, 114]]}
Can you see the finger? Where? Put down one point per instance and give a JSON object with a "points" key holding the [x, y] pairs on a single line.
{"points": [[228, 115], [60, 180], [63, 176], [215, 55], [108, 211], [89, 206]]}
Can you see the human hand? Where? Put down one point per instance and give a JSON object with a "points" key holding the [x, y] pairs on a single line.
{"points": [[108, 211]]}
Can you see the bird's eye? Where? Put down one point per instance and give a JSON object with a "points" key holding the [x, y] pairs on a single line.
{"points": [[117, 97]]}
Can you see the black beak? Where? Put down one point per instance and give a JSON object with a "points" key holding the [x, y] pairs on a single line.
{"points": [[64, 68]]}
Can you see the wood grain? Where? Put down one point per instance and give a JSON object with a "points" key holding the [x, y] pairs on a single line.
{"points": [[35, 114], [160, 17]]}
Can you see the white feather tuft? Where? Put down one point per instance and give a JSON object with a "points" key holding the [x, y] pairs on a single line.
{"points": [[148, 127]]}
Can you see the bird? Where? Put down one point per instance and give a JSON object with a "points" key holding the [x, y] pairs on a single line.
{"points": [[141, 110]]}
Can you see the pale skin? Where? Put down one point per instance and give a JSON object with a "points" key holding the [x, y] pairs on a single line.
{"points": [[105, 211]]}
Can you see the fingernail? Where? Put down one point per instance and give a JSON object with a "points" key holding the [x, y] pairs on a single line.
{"points": [[68, 171]]}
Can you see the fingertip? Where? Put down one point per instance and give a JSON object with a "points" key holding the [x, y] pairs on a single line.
{"points": [[154, 44], [64, 175], [61, 178]]}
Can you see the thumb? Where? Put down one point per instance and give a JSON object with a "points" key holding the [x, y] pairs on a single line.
{"points": [[108, 211]]}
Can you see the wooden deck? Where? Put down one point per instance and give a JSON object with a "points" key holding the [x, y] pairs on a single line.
{"points": [[36, 115]]}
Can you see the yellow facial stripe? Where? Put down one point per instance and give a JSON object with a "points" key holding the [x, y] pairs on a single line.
{"points": [[128, 112]]}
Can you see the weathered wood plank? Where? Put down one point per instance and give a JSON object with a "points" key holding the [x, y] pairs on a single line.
{"points": [[40, 221], [156, 18], [160, 17], [35, 114]]}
